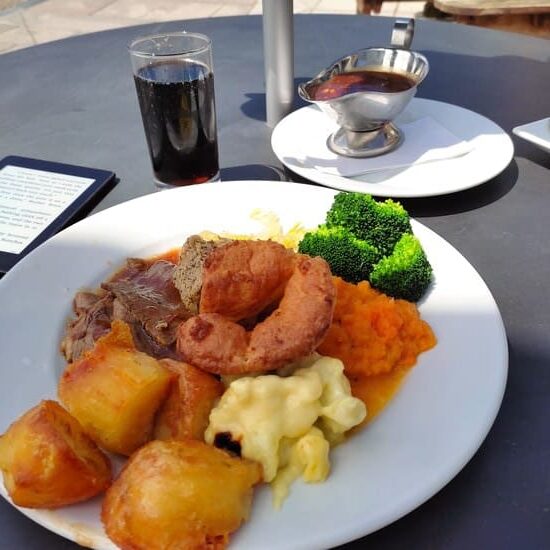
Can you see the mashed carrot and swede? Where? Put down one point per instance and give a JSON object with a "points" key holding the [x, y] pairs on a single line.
{"points": [[378, 339]]}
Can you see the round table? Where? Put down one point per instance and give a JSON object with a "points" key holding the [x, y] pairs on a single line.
{"points": [[74, 101]]}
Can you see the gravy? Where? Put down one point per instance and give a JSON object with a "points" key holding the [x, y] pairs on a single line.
{"points": [[361, 81]]}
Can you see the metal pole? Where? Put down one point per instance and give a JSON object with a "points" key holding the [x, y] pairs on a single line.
{"points": [[278, 28]]}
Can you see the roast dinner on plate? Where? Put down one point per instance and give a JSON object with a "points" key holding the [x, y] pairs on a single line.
{"points": [[230, 362]]}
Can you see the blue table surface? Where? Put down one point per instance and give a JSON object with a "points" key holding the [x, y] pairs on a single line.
{"points": [[73, 101]]}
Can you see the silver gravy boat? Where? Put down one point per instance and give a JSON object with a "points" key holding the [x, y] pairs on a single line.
{"points": [[365, 117]]}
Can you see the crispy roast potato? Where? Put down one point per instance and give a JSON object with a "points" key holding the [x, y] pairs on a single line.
{"points": [[114, 391], [179, 495], [184, 414], [48, 461]]}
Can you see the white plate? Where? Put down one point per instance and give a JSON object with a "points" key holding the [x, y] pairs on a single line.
{"points": [[537, 132], [492, 152], [417, 444]]}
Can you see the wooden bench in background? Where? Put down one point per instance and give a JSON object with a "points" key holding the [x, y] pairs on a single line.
{"points": [[530, 16], [527, 16]]}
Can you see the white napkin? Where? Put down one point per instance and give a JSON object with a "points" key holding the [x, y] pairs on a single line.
{"points": [[425, 140], [537, 132]]}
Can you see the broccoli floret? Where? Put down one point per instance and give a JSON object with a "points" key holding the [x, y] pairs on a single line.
{"points": [[406, 273], [379, 223], [348, 257]]}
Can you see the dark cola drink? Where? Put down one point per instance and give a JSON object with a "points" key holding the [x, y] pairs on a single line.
{"points": [[178, 111]]}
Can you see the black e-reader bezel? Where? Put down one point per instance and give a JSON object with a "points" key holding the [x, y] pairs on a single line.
{"points": [[103, 182]]}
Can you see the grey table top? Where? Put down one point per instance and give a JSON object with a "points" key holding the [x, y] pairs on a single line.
{"points": [[73, 101]]}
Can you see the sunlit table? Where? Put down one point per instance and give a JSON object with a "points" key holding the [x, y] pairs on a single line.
{"points": [[73, 101]]}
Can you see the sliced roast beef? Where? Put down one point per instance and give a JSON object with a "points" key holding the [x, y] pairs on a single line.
{"points": [[147, 294], [147, 344], [94, 311], [143, 295]]}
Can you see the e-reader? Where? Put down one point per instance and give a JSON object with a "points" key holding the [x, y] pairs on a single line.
{"points": [[39, 198]]}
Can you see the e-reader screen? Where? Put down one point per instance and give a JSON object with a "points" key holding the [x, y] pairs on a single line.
{"points": [[38, 198]]}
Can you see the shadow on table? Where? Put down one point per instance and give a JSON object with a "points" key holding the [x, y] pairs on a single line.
{"points": [[464, 201], [252, 172], [254, 105]]}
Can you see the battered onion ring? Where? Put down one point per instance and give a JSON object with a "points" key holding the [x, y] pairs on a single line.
{"points": [[218, 345]]}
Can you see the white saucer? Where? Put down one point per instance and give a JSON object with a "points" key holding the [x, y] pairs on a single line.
{"points": [[537, 132], [492, 152]]}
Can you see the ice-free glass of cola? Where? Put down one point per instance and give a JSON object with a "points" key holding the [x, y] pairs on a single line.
{"points": [[174, 80]]}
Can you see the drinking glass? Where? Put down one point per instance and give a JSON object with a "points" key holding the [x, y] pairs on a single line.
{"points": [[174, 80]]}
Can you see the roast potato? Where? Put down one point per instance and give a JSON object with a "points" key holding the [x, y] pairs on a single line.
{"points": [[114, 391], [184, 414], [179, 495], [48, 461]]}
